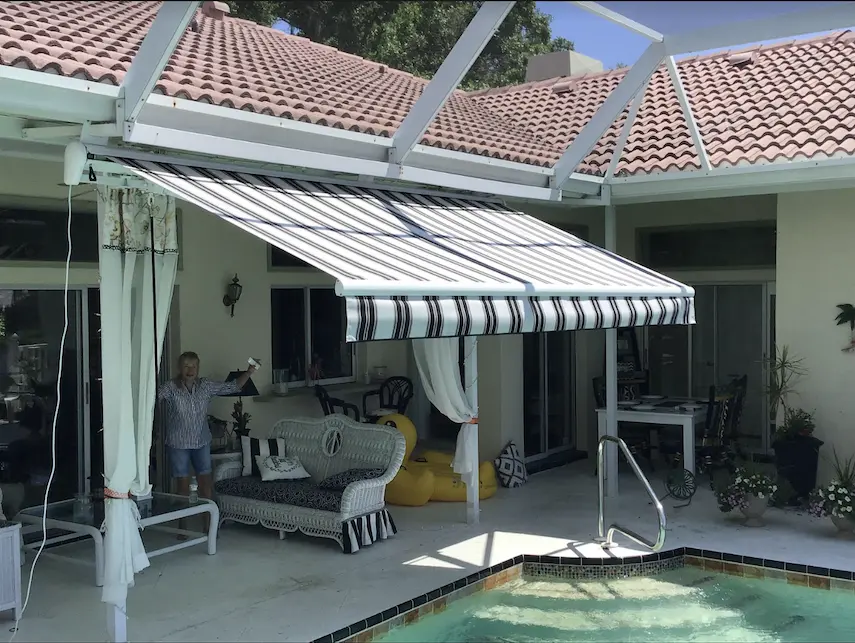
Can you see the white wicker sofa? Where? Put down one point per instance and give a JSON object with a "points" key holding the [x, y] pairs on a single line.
{"points": [[354, 516]]}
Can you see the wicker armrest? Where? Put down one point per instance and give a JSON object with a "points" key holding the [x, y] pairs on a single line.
{"points": [[231, 469], [364, 495]]}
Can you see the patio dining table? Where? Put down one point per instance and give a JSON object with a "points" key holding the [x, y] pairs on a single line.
{"points": [[661, 410]]}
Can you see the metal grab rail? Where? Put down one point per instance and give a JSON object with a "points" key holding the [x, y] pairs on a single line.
{"points": [[606, 539]]}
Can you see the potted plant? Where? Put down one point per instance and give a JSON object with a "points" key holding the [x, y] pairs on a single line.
{"points": [[748, 491], [796, 448], [837, 498], [797, 452]]}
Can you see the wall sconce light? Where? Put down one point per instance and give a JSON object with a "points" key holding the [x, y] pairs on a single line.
{"points": [[233, 291]]}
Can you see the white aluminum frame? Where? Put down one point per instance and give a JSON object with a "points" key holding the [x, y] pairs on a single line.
{"points": [[49, 98], [620, 144], [612, 16], [691, 123], [787, 25], [452, 70], [156, 49], [638, 75]]}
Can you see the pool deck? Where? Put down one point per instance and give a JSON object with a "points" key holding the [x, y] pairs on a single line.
{"points": [[258, 588]]}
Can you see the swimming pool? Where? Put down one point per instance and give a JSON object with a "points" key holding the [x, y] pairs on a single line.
{"points": [[683, 594], [686, 604]]}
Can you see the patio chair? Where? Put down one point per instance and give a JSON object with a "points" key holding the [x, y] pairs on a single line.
{"points": [[394, 395], [334, 405]]}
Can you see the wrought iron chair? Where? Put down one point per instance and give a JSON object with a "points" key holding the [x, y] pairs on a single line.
{"points": [[394, 393], [334, 405]]}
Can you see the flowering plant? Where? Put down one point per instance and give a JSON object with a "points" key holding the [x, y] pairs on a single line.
{"points": [[836, 498], [745, 484], [832, 500]]}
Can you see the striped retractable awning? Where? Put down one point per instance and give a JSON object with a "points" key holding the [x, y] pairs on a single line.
{"points": [[421, 265]]}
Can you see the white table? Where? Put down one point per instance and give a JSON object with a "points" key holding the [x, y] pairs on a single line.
{"points": [[165, 507], [662, 415]]}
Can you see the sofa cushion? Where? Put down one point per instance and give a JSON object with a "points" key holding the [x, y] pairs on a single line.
{"points": [[341, 480], [301, 493]]}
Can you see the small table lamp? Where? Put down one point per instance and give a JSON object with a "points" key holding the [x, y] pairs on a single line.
{"points": [[249, 389]]}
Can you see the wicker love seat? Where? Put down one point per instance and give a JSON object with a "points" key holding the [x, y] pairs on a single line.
{"points": [[354, 515]]}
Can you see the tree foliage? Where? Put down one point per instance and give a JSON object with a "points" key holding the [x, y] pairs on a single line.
{"points": [[415, 36]]}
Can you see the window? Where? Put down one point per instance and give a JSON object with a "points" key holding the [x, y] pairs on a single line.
{"points": [[281, 259], [308, 327], [750, 245], [37, 235]]}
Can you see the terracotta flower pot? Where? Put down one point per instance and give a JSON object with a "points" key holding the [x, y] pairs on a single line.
{"points": [[845, 526], [754, 511]]}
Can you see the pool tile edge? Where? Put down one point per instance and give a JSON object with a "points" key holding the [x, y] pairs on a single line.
{"points": [[575, 568]]}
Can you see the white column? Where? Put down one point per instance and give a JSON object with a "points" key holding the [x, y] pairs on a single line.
{"points": [[117, 623], [611, 375], [470, 384]]}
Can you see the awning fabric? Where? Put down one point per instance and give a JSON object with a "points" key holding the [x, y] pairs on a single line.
{"points": [[421, 265]]}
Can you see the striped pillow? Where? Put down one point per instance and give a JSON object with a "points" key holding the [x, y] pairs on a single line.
{"points": [[252, 447]]}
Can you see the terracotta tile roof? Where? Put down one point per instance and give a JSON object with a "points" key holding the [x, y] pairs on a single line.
{"points": [[794, 100], [236, 63], [784, 101]]}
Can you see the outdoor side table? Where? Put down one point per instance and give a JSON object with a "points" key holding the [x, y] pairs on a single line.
{"points": [[10, 567], [162, 508]]}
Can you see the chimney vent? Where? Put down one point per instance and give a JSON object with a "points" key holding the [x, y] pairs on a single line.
{"points": [[560, 63], [215, 10]]}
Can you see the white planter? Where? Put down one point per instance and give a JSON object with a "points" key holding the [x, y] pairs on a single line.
{"points": [[10, 567], [754, 511], [845, 526]]}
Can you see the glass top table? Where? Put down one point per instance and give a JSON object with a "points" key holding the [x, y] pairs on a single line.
{"points": [[161, 505], [80, 520]]}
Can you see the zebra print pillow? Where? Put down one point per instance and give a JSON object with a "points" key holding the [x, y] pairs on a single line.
{"points": [[251, 447]]}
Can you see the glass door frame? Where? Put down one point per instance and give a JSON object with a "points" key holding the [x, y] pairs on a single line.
{"points": [[768, 290], [84, 431], [570, 413]]}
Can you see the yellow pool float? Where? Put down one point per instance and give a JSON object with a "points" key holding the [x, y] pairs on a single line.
{"points": [[411, 487], [447, 485]]}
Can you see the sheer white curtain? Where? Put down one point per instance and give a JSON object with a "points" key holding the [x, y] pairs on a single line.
{"points": [[438, 363], [135, 280]]}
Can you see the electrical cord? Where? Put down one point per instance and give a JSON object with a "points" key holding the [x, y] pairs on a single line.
{"points": [[55, 418]]}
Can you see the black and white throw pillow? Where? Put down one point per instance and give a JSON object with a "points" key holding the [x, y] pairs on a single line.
{"points": [[511, 467], [251, 447]]}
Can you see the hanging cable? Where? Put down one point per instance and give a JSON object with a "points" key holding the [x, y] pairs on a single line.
{"points": [[55, 419]]}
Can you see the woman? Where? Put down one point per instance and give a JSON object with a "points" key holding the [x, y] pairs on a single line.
{"points": [[185, 400]]}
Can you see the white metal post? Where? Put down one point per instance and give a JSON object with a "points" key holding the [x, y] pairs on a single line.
{"points": [[117, 623], [691, 123], [155, 51], [611, 462], [614, 104], [470, 383], [452, 70]]}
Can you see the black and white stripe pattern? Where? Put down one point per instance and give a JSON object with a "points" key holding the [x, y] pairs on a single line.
{"points": [[252, 447], [365, 530], [512, 272]]}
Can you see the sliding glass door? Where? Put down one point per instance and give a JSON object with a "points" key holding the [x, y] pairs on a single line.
{"points": [[548, 393], [730, 339], [34, 396]]}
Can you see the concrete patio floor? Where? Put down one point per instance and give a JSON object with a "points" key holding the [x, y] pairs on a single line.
{"points": [[258, 588]]}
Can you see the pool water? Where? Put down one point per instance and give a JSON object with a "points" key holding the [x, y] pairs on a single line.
{"points": [[687, 604]]}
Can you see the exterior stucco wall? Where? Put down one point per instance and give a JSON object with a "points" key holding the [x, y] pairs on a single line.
{"points": [[815, 235]]}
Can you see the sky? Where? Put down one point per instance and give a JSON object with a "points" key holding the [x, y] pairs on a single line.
{"points": [[613, 44], [610, 43]]}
